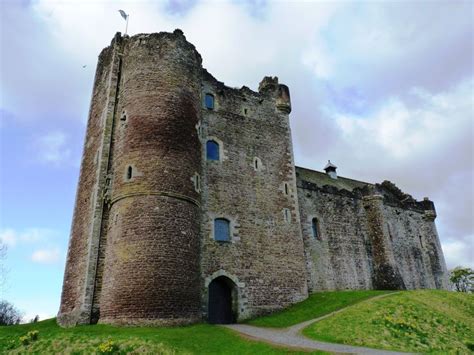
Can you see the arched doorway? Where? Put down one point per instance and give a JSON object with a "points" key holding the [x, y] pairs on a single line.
{"points": [[222, 301]]}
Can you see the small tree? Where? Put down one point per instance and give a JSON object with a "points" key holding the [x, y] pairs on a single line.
{"points": [[9, 315], [462, 279], [35, 319]]}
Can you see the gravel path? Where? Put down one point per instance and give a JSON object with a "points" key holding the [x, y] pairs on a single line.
{"points": [[291, 337]]}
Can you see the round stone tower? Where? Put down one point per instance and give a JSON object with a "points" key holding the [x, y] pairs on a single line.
{"points": [[151, 266], [142, 254]]}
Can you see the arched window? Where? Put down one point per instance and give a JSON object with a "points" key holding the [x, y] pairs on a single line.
{"points": [[209, 101], [315, 227], [222, 230], [129, 172], [212, 150]]}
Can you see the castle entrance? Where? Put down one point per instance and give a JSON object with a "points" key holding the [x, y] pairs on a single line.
{"points": [[222, 301]]}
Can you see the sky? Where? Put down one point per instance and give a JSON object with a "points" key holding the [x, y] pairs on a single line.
{"points": [[383, 89]]}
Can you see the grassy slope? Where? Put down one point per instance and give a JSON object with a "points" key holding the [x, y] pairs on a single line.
{"points": [[417, 321], [317, 305], [196, 339]]}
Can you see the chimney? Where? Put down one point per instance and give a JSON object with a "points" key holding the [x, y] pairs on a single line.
{"points": [[330, 169]]}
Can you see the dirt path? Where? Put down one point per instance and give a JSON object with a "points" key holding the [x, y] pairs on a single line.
{"points": [[291, 337]]}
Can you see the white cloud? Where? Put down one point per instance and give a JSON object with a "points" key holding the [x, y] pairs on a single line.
{"points": [[53, 148], [12, 237], [46, 256], [459, 253], [8, 237], [405, 129]]}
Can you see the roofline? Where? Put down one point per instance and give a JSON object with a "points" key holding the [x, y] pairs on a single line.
{"points": [[339, 177]]}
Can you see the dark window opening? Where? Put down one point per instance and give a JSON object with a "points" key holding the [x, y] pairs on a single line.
{"points": [[221, 230], [209, 101], [129, 173], [245, 111], [315, 227], [123, 117], [212, 150], [286, 189], [256, 164], [421, 241]]}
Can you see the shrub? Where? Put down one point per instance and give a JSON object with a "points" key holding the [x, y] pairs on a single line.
{"points": [[30, 337], [108, 347]]}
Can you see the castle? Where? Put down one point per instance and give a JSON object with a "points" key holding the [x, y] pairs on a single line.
{"points": [[190, 207]]}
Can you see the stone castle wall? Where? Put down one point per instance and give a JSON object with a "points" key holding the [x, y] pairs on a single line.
{"points": [[265, 256], [368, 238], [142, 247], [79, 276]]}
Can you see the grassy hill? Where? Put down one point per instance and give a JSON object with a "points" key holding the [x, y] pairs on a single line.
{"points": [[421, 321], [416, 321], [316, 305], [105, 339]]}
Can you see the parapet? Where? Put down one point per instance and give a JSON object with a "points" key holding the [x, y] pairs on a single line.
{"points": [[270, 85]]}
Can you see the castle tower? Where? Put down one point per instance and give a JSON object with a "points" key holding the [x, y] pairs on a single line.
{"points": [[133, 256]]}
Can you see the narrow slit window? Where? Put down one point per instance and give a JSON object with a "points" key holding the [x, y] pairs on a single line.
{"points": [[212, 150], [257, 164], [209, 101], [421, 241], [315, 227], [286, 188], [129, 172], [221, 230]]}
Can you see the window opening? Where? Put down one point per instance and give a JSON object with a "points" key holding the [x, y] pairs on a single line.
{"points": [[209, 101], [315, 227], [221, 230], [212, 150]]}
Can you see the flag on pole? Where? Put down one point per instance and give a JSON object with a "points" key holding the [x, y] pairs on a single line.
{"points": [[125, 17], [123, 14]]}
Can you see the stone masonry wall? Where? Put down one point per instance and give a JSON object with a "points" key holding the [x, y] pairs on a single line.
{"points": [[142, 247], [371, 236], [151, 263], [340, 257], [265, 257], [78, 276]]}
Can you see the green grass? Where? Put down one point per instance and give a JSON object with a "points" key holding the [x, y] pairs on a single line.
{"points": [[317, 305], [416, 321], [195, 339]]}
